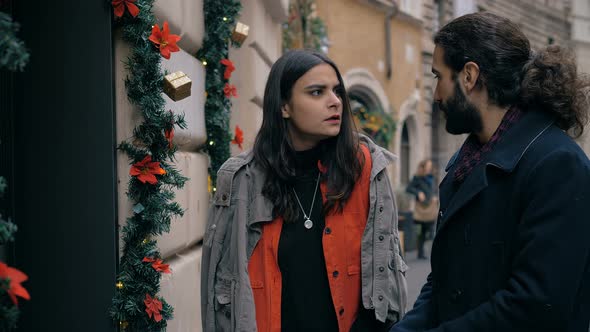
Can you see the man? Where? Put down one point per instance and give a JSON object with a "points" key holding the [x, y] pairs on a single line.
{"points": [[512, 248]]}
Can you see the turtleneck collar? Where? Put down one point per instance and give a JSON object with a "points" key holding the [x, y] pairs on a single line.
{"points": [[306, 161]]}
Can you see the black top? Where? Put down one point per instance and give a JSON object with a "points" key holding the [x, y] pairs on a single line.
{"points": [[306, 299]]}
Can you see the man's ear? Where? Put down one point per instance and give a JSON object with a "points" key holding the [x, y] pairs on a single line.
{"points": [[285, 111], [471, 70]]}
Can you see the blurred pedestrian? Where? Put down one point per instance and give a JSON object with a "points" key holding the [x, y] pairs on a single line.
{"points": [[422, 187]]}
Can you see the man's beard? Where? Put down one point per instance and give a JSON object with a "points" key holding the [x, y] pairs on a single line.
{"points": [[462, 116]]}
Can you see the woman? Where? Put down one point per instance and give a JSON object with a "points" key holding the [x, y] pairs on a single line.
{"points": [[426, 208], [302, 234]]}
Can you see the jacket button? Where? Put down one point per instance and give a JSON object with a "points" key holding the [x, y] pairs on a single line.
{"points": [[380, 209], [381, 237], [328, 230], [341, 312], [228, 314], [378, 177], [456, 294], [224, 197], [381, 269], [440, 213], [335, 274], [380, 297]]}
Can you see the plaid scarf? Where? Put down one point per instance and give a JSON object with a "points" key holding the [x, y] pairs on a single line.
{"points": [[473, 152]]}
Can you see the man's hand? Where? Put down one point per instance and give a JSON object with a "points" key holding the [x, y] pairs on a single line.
{"points": [[421, 196]]}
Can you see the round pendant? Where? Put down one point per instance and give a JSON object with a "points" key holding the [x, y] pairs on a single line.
{"points": [[308, 224]]}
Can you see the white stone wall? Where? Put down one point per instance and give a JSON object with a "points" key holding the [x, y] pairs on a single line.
{"points": [[253, 61], [181, 247]]}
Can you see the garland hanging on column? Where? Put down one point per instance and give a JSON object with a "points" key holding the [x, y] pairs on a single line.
{"points": [[136, 305], [13, 57], [13, 54], [220, 23], [304, 29]]}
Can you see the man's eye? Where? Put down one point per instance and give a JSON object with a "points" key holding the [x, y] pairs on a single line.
{"points": [[436, 77]]}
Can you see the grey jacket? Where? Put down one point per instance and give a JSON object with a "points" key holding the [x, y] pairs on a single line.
{"points": [[234, 227]]}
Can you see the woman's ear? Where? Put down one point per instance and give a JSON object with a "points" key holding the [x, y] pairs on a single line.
{"points": [[285, 111]]}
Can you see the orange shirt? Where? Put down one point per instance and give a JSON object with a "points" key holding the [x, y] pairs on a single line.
{"points": [[342, 251]]}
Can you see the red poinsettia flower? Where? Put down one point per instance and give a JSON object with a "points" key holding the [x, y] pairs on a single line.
{"points": [[165, 40], [153, 306], [15, 288], [229, 68], [146, 170], [169, 134], [158, 265], [230, 90], [238, 137], [119, 6]]}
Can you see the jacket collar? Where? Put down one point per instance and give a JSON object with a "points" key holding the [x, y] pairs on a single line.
{"points": [[505, 156], [262, 207], [380, 156], [515, 142]]}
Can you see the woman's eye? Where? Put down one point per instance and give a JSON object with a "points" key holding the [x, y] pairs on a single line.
{"points": [[436, 77], [316, 92]]}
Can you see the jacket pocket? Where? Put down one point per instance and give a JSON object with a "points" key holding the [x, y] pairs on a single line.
{"points": [[224, 305], [351, 246]]}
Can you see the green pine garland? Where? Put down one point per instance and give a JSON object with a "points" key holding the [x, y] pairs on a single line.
{"points": [[154, 206], [218, 106], [304, 29], [13, 57], [13, 54], [7, 228], [8, 311]]}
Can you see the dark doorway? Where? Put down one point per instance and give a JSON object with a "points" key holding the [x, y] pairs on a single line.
{"points": [[64, 177]]}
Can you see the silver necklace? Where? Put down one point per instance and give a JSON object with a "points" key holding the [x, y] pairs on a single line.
{"points": [[308, 223]]}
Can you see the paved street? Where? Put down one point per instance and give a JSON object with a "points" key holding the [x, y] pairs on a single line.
{"points": [[417, 273]]}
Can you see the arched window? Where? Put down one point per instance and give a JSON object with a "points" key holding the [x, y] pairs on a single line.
{"points": [[370, 117]]}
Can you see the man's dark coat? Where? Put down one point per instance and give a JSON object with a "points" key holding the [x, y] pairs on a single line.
{"points": [[512, 248]]}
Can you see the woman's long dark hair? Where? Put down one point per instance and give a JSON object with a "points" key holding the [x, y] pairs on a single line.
{"points": [[273, 149], [512, 73]]}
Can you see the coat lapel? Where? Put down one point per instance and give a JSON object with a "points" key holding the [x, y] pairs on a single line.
{"points": [[474, 183], [505, 156]]}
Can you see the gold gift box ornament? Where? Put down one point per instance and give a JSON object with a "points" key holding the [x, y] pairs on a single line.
{"points": [[177, 85], [240, 33]]}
